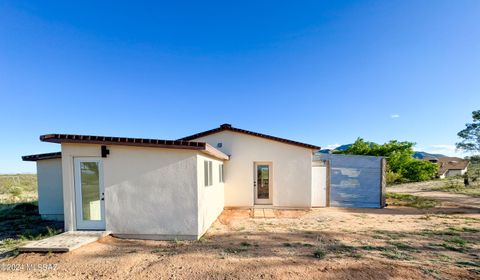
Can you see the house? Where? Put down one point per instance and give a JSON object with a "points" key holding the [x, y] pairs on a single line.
{"points": [[173, 189], [450, 166]]}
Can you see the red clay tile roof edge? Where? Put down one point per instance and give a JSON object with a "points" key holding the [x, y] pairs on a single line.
{"points": [[229, 127]]}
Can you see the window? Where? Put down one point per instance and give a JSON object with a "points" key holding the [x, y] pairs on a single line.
{"points": [[207, 172], [220, 173]]}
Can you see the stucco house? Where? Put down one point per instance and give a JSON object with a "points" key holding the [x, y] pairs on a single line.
{"points": [[450, 166], [173, 189]]}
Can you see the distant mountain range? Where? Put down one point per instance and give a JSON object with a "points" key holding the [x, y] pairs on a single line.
{"points": [[420, 155], [416, 154]]}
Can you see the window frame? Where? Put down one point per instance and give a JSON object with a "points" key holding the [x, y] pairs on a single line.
{"points": [[207, 173], [221, 171]]}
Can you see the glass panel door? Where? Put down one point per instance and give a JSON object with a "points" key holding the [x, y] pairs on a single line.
{"points": [[90, 181], [263, 183], [89, 193], [263, 179]]}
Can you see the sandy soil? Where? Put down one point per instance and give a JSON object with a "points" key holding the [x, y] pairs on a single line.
{"points": [[397, 243]]}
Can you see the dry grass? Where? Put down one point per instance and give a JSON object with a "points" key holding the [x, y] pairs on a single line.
{"points": [[456, 185], [19, 218], [401, 199], [18, 188]]}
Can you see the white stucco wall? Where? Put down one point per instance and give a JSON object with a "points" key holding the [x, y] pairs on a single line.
{"points": [[292, 168], [50, 190], [455, 172], [149, 192], [210, 198]]}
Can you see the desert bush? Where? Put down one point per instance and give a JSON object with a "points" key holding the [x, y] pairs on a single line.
{"points": [[419, 170], [393, 178]]}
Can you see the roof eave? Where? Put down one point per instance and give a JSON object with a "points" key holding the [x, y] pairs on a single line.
{"points": [[44, 156], [226, 127], [136, 142]]}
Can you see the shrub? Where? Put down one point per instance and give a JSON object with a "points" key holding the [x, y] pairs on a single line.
{"points": [[393, 178], [420, 170], [319, 254]]}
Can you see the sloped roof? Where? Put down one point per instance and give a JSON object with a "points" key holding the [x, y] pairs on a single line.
{"points": [[42, 156], [139, 142], [229, 127], [451, 163]]}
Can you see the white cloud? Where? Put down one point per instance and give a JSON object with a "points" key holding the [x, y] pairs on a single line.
{"points": [[394, 116], [331, 146]]}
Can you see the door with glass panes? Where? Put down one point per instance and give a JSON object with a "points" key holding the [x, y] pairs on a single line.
{"points": [[263, 183], [89, 194]]}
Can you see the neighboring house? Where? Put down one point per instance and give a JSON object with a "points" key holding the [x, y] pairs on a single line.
{"points": [[450, 166], [174, 189]]}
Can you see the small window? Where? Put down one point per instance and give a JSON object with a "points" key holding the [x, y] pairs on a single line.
{"points": [[207, 168], [220, 173]]}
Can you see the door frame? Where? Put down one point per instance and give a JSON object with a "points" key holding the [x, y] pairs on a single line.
{"points": [[256, 200], [79, 222]]}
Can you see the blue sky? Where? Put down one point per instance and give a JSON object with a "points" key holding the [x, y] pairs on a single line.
{"points": [[321, 72]]}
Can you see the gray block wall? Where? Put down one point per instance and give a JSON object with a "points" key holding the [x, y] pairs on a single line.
{"points": [[355, 181]]}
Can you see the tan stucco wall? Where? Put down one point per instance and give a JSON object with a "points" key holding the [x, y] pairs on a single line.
{"points": [[50, 190], [292, 169], [210, 198], [149, 192]]}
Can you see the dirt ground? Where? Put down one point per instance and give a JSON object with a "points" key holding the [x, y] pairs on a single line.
{"points": [[428, 189], [396, 243]]}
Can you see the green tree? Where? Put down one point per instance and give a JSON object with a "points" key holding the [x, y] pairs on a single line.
{"points": [[401, 166], [419, 170], [470, 135]]}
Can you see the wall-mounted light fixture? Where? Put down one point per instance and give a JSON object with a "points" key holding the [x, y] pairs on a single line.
{"points": [[105, 151]]}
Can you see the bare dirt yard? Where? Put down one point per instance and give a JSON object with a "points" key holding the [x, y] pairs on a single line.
{"points": [[449, 191], [393, 243]]}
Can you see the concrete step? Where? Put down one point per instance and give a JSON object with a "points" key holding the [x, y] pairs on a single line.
{"points": [[65, 242], [263, 213]]}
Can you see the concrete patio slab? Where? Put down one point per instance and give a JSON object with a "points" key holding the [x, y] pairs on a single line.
{"points": [[65, 242], [258, 213], [263, 213], [268, 213]]}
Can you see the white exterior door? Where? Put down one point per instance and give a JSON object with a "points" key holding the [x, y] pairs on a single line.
{"points": [[262, 183], [319, 184], [89, 194]]}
